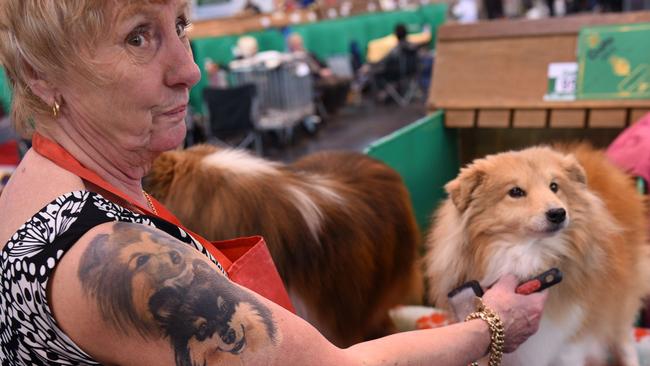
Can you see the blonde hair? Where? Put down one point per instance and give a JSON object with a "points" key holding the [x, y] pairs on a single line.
{"points": [[247, 46], [45, 38]]}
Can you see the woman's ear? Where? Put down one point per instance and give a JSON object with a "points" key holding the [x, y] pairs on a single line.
{"points": [[41, 87], [460, 190]]}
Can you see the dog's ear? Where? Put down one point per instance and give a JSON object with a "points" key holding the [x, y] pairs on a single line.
{"points": [[460, 189], [160, 177], [574, 170]]}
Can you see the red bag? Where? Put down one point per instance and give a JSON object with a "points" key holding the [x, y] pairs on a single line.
{"points": [[9, 153]]}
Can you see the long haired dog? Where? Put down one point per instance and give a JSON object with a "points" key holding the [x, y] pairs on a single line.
{"points": [[339, 226], [527, 211]]}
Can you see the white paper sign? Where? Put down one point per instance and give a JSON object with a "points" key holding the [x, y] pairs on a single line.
{"points": [[562, 78]]}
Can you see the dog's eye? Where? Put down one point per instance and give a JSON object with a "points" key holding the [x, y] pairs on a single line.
{"points": [[516, 192], [202, 331], [554, 187], [142, 260]]}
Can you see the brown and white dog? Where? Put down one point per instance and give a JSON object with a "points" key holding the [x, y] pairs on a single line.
{"points": [[340, 227], [527, 211]]}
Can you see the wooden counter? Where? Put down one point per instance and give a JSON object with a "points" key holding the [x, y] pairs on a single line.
{"points": [[494, 74]]}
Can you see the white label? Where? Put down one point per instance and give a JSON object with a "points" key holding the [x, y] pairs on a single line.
{"points": [[562, 78]]}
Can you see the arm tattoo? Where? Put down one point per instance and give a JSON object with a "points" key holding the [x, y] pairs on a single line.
{"points": [[146, 280]]}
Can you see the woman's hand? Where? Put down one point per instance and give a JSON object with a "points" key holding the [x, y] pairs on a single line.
{"points": [[520, 314]]}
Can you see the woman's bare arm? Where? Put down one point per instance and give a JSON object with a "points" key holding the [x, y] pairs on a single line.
{"points": [[131, 295]]}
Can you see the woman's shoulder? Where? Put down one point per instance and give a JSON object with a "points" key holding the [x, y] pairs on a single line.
{"points": [[44, 257], [35, 183], [61, 223]]}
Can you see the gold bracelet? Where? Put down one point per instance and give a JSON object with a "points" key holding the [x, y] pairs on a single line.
{"points": [[497, 333]]}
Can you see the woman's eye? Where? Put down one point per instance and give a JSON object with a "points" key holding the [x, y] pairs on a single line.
{"points": [[554, 187], [516, 192], [181, 26], [138, 36], [136, 40]]}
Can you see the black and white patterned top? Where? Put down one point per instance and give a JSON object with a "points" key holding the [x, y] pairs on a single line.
{"points": [[29, 334]]}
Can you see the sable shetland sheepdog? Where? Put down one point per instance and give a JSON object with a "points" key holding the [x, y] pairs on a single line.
{"points": [[527, 211], [340, 228]]}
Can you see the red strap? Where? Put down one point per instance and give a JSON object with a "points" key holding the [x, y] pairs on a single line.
{"points": [[59, 156]]}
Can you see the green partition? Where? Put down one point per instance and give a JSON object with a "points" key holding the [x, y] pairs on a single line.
{"points": [[325, 38], [332, 37], [270, 40], [425, 153], [5, 91], [434, 15]]}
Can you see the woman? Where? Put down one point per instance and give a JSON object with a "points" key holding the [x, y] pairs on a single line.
{"points": [[332, 90], [91, 273]]}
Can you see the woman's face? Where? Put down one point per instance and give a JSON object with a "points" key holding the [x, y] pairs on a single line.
{"points": [[148, 63]]}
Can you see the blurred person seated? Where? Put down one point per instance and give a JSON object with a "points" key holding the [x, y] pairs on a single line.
{"points": [[246, 48], [296, 46], [378, 49], [217, 74], [493, 8], [465, 11], [331, 90], [399, 66]]}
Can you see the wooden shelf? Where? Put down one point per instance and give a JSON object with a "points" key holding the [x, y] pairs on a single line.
{"points": [[543, 118], [248, 23], [507, 28]]}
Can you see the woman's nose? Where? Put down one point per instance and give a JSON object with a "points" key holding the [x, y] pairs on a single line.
{"points": [[182, 71]]}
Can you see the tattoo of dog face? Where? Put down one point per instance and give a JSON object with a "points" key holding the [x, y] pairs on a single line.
{"points": [[146, 280]]}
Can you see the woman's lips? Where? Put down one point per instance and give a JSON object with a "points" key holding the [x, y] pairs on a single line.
{"points": [[176, 111]]}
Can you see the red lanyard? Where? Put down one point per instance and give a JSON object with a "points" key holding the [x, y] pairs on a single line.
{"points": [[59, 156]]}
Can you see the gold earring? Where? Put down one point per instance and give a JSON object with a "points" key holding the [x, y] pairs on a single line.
{"points": [[55, 109]]}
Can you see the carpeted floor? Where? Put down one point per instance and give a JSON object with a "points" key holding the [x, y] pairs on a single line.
{"points": [[352, 128]]}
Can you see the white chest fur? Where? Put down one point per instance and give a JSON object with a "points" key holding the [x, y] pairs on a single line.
{"points": [[554, 342], [523, 259], [552, 345]]}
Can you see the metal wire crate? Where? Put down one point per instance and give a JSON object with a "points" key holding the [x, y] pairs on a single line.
{"points": [[284, 88]]}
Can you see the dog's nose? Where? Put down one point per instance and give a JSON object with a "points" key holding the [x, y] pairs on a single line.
{"points": [[556, 215]]}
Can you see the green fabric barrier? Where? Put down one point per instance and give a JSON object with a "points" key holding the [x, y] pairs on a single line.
{"points": [[5, 91], [383, 24], [333, 37], [269, 40], [425, 153], [330, 37], [325, 38], [434, 15]]}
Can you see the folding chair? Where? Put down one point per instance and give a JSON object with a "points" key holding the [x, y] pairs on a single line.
{"points": [[401, 73], [232, 116]]}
